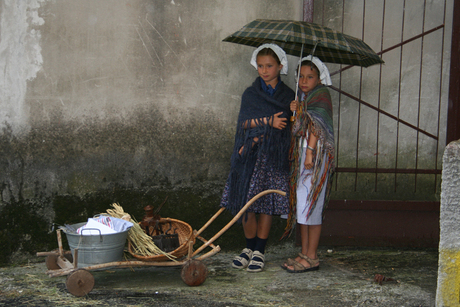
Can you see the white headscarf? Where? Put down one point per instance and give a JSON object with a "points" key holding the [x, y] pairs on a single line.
{"points": [[279, 52], [324, 75]]}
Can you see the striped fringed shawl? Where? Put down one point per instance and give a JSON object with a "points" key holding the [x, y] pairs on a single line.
{"points": [[314, 116]]}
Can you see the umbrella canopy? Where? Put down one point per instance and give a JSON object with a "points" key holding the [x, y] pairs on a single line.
{"points": [[331, 46]]}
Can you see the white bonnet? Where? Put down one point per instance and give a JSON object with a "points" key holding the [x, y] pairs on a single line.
{"points": [[279, 52], [324, 75]]}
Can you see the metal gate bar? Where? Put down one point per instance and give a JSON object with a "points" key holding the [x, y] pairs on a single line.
{"points": [[361, 102], [393, 222], [393, 47], [415, 127], [388, 170]]}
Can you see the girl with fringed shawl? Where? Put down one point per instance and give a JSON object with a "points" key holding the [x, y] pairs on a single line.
{"points": [[312, 162], [260, 156]]}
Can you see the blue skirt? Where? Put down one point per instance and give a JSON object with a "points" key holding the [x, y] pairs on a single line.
{"points": [[265, 177]]}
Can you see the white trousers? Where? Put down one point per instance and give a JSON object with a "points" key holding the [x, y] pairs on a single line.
{"points": [[303, 190]]}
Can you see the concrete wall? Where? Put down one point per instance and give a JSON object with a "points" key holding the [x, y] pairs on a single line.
{"points": [[131, 101], [135, 102], [448, 291]]}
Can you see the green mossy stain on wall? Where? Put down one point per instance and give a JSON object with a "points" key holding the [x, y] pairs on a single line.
{"points": [[22, 230], [25, 231]]}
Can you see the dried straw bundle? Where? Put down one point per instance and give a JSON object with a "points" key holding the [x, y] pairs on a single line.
{"points": [[141, 243]]}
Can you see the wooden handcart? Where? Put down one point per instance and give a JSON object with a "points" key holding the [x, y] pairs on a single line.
{"points": [[80, 281]]}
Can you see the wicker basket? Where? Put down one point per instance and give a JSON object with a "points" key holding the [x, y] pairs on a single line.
{"points": [[185, 233]]}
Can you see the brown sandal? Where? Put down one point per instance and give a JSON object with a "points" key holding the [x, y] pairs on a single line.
{"points": [[289, 262], [300, 268]]}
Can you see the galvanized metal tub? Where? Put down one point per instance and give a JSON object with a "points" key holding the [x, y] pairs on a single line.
{"points": [[96, 249]]}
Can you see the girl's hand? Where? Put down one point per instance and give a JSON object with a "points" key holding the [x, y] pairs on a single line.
{"points": [[294, 105], [308, 160], [278, 122]]}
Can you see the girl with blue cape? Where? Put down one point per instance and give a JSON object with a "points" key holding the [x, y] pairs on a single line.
{"points": [[259, 160]]}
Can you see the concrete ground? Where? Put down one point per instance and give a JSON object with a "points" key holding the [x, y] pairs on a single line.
{"points": [[345, 278]]}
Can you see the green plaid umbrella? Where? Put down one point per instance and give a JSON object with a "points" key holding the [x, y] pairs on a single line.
{"points": [[331, 46]]}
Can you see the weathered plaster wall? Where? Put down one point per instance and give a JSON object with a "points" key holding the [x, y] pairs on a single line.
{"points": [[135, 101], [20, 59], [118, 101]]}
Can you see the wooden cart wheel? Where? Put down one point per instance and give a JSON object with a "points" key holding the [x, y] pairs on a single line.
{"points": [[51, 261], [80, 282], [194, 272]]}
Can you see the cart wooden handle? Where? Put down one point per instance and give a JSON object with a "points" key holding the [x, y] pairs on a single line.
{"points": [[236, 218], [209, 222]]}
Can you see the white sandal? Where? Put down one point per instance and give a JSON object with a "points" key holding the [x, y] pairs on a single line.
{"points": [[240, 262], [256, 265]]}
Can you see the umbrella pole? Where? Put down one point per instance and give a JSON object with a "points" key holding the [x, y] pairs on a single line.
{"points": [[297, 82]]}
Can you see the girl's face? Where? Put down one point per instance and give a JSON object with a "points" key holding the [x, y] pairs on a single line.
{"points": [[308, 79], [268, 69]]}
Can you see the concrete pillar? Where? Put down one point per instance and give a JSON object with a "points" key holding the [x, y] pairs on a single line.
{"points": [[448, 291]]}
